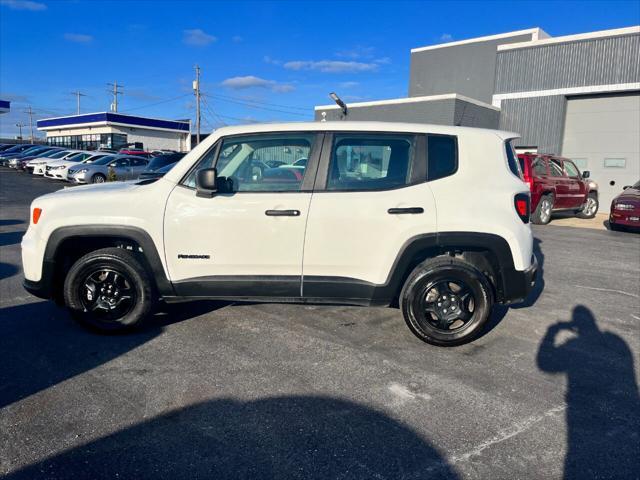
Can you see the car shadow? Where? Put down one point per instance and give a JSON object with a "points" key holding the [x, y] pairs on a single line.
{"points": [[10, 222], [41, 346], [10, 238], [602, 401], [288, 437], [7, 270]]}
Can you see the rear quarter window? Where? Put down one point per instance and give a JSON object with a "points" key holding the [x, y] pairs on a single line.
{"points": [[512, 159], [442, 156]]}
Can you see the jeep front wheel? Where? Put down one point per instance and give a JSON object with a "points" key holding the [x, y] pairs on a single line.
{"points": [[446, 301], [108, 290]]}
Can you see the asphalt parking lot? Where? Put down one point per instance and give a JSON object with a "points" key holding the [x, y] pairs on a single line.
{"points": [[215, 390]]}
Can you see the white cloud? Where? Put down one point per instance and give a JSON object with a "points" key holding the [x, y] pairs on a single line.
{"points": [[446, 37], [78, 37], [24, 5], [251, 81], [237, 39], [272, 61], [197, 38], [331, 66], [348, 84], [358, 51], [382, 61]]}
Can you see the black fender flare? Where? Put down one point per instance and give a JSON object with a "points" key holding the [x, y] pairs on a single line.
{"points": [[134, 234]]}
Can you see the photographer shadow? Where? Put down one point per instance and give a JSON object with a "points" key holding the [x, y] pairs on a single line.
{"points": [[602, 402]]}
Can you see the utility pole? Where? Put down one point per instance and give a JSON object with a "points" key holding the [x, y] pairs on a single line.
{"points": [[20, 125], [196, 90], [78, 94], [30, 112], [115, 93]]}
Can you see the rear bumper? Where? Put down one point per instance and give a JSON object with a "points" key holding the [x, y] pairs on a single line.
{"points": [[518, 283], [627, 219]]}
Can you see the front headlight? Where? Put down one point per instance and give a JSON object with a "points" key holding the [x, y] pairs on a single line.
{"points": [[623, 206], [83, 170]]}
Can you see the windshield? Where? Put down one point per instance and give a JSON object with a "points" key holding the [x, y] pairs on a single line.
{"points": [[636, 185], [32, 150], [105, 160], [50, 154], [76, 156], [160, 161], [93, 158], [60, 154]]}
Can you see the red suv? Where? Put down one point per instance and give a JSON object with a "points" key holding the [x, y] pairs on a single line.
{"points": [[557, 185]]}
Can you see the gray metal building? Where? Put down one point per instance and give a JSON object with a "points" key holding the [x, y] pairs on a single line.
{"points": [[577, 95]]}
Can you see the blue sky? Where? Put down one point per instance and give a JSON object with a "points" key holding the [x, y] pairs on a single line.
{"points": [[283, 57]]}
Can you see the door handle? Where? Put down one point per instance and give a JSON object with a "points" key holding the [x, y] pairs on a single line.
{"points": [[403, 211], [282, 213]]}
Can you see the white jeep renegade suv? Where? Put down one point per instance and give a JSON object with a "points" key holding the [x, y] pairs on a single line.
{"points": [[434, 219]]}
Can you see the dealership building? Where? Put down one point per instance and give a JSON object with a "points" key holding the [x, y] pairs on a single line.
{"points": [[116, 130], [576, 96]]}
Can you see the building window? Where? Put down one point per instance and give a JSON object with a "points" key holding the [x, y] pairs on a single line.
{"points": [[615, 162]]}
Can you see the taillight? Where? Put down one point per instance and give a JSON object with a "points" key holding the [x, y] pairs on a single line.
{"points": [[522, 203], [36, 215]]}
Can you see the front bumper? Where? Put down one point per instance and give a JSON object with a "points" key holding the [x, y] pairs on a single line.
{"points": [[517, 284]]}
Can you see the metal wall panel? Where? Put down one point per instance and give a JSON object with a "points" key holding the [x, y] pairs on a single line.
{"points": [[539, 120], [600, 61], [467, 69], [439, 112]]}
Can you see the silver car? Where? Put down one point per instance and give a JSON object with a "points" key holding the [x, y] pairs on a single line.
{"points": [[125, 167]]}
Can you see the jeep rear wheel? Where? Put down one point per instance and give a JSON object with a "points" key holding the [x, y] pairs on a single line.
{"points": [[446, 301], [108, 290], [542, 213]]}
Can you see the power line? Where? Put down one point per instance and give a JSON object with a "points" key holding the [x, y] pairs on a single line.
{"points": [[246, 104], [212, 111], [30, 112], [231, 97], [158, 103]]}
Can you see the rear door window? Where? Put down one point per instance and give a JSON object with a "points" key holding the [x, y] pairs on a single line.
{"points": [[514, 165], [370, 161]]}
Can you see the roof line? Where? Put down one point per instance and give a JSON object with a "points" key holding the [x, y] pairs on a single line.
{"points": [[535, 32], [114, 113], [396, 101], [572, 38]]}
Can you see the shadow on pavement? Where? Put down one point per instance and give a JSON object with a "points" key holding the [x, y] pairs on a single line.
{"points": [[10, 222], [40, 346], [274, 438], [10, 238], [603, 406], [7, 270]]}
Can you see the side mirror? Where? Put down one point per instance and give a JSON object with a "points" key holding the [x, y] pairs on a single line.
{"points": [[586, 174], [206, 182], [112, 164]]}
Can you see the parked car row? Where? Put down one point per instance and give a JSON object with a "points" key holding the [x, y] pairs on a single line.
{"points": [[79, 166]]}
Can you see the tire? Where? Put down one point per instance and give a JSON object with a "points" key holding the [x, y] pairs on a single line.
{"points": [[591, 207], [423, 310], [109, 267], [98, 178], [542, 213]]}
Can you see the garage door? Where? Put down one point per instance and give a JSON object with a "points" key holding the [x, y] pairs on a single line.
{"points": [[602, 135]]}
